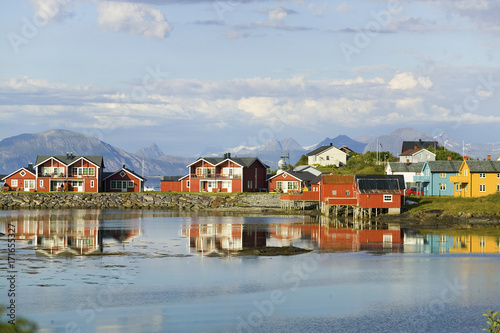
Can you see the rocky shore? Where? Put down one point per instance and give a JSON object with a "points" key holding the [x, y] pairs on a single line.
{"points": [[146, 200]]}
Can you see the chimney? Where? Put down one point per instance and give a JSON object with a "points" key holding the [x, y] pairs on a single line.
{"points": [[416, 147], [331, 144], [228, 155], [488, 157], [124, 165], [71, 154], [67, 154], [30, 166], [449, 158]]}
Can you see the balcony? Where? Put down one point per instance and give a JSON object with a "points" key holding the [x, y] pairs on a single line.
{"points": [[422, 179], [460, 179], [215, 177], [52, 175]]}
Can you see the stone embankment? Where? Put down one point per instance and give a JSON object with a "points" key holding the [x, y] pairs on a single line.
{"points": [[147, 200]]}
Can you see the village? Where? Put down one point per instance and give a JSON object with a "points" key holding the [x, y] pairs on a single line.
{"points": [[417, 172]]}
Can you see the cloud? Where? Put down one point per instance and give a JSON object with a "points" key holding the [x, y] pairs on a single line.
{"points": [[343, 8], [406, 81], [48, 11], [134, 19], [279, 14]]}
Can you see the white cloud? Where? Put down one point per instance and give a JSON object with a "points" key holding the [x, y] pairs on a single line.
{"points": [[135, 19], [406, 81], [343, 8], [48, 11]]}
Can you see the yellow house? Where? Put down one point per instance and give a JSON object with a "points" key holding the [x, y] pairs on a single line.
{"points": [[477, 178], [475, 244]]}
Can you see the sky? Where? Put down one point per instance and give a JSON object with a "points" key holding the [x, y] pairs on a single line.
{"points": [[191, 74]]}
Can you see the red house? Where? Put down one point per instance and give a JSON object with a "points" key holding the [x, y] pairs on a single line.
{"points": [[290, 181], [174, 183], [380, 191], [23, 179], [226, 174], [69, 173], [123, 180], [337, 189]]}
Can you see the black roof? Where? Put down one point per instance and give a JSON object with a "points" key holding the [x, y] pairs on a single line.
{"points": [[407, 145], [320, 150], [379, 183], [243, 161], [171, 178], [406, 167], [69, 159]]}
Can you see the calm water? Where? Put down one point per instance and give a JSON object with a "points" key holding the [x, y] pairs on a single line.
{"points": [[123, 271]]}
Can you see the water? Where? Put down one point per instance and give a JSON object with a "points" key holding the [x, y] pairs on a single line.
{"points": [[132, 271]]}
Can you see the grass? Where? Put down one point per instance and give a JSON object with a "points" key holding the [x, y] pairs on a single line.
{"points": [[488, 205]]}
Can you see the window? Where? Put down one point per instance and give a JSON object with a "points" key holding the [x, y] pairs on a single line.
{"points": [[498, 175], [122, 174], [482, 175], [347, 192], [91, 183], [250, 184], [29, 184], [334, 192], [482, 187], [205, 172], [293, 185], [457, 187], [130, 184], [442, 175], [13, 183], [22, 173], [498, 187], [442, 187], [41, 183], [387, 197], [113, 184], [226, 184], [187, 183], [124, 184], [328, 158], [279, 185]]}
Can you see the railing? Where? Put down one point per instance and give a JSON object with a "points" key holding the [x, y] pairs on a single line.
{"points": [[207, 176], [63, 175]]}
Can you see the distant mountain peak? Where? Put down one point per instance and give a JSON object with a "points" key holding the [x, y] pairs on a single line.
{"points": [[151, 152]]}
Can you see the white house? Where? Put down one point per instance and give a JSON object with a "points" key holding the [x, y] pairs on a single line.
{"points": [[327, 155], [416, 155], [407, 170]]}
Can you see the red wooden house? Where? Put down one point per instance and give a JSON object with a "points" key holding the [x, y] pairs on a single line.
{"points": [[69, 173], [226, 174], [174, 183], [291, 181], [23, 179], [337, 189], [123, 180], [380, 191]]}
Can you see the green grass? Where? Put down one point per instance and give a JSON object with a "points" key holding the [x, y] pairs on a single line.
{"points": [[488, 205]]}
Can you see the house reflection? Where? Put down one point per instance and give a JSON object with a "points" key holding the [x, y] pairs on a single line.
{"points": [[67, 233], [208, 238], [448, 243]]}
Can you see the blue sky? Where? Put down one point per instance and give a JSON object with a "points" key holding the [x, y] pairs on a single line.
{"points": [[196, 73]]}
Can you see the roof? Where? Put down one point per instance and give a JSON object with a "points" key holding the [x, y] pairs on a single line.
{"points": [[412, 152], [406, 167], [171, 178], [30, 170], [445, 166], [307, 168], [109, 174], [300, 175], [379, 183], [320, 150], [484, 166], [338, 179], [70, 159], [243, 161], [407, 145]]}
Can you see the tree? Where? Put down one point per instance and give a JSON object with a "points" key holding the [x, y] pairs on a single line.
{"points": [[302, 161], [442, 154]]}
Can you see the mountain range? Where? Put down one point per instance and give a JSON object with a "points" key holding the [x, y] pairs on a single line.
{"points": [[18, 151]]}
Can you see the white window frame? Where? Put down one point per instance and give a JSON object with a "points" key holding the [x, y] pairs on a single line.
{"points": [[442, 175], [442, 187], [28, 183], [334, 192], [187, 183], [130, 184], [41, 183], [482, 188], [498, 187], [482, 175], [113, 184], [14, 183], [387, 197], [92, 183], [279, 185]]}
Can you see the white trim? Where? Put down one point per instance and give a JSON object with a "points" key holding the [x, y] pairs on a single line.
{"points": [[18, 170]]}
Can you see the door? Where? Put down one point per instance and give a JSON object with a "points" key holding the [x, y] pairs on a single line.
{"points": [[124, 186]]}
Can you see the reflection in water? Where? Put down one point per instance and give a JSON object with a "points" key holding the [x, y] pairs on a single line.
{"points": [[330, 236], [56, 233]]}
